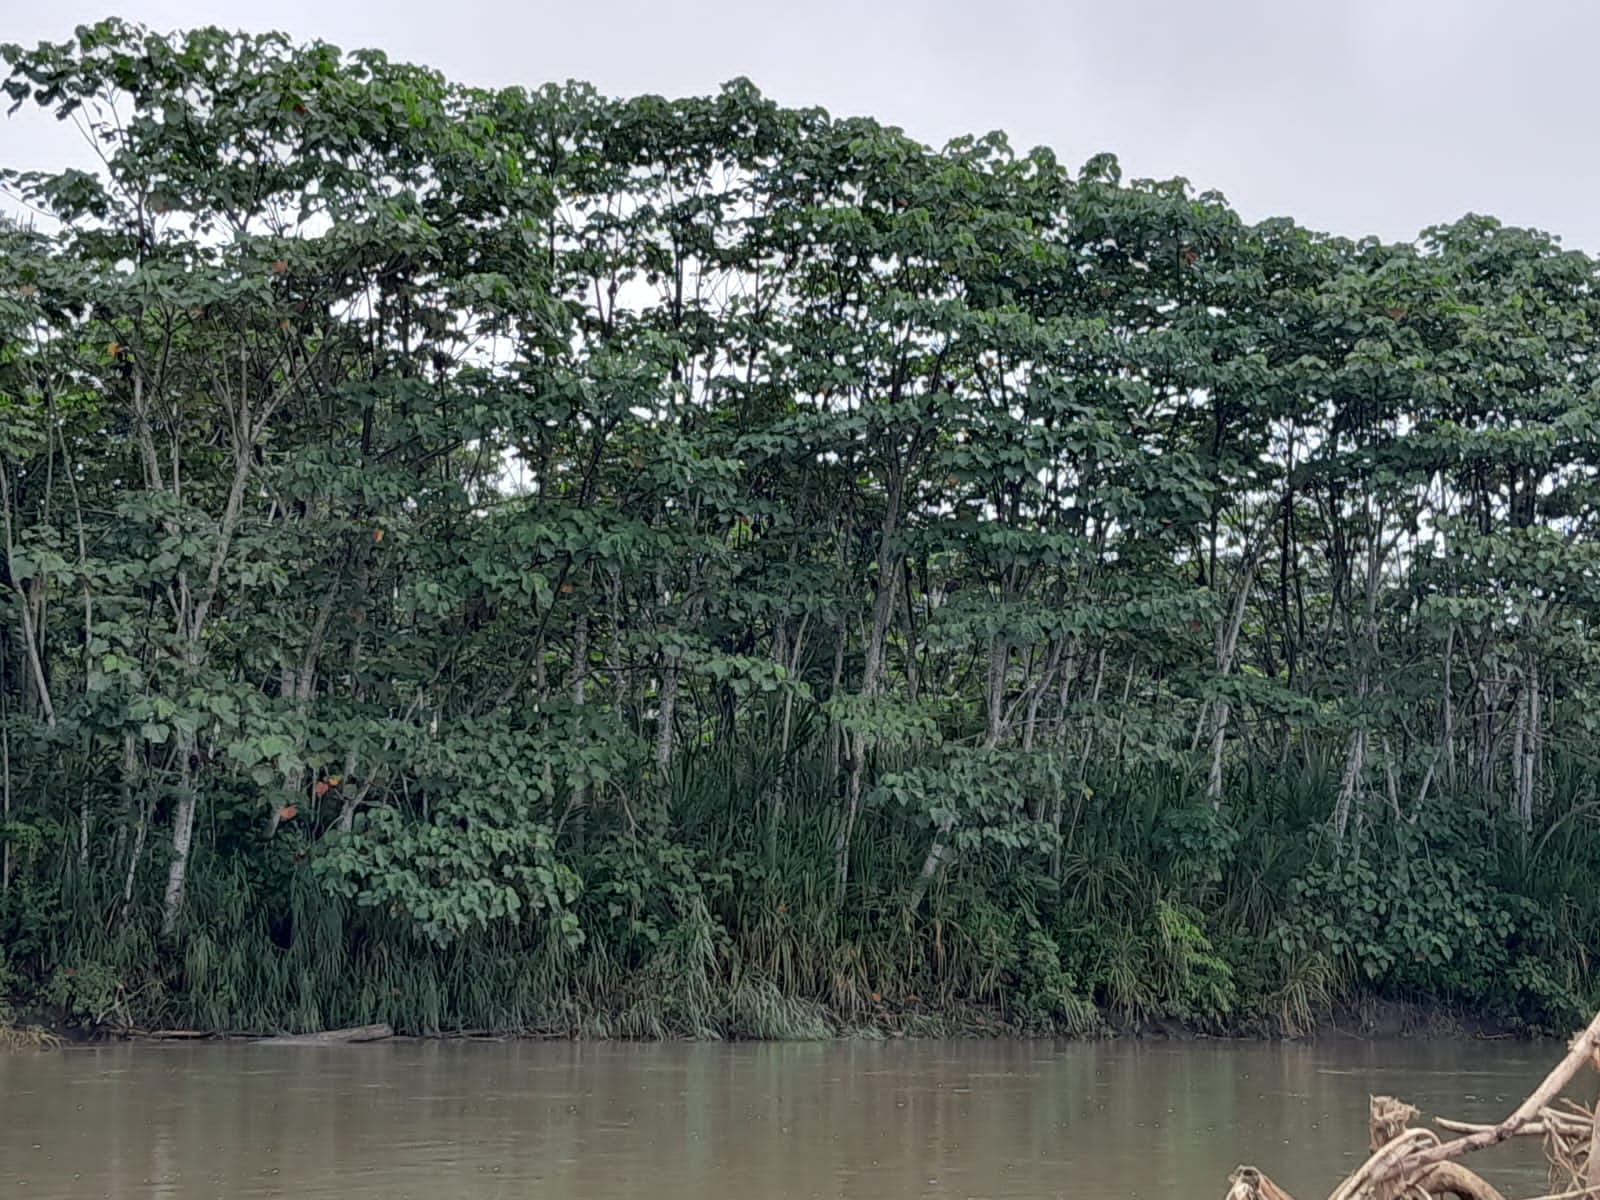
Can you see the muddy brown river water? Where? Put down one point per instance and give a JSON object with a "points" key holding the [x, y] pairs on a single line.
{"points": [[876, 1121]]}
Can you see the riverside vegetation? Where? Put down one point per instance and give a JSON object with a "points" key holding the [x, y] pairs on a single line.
{"points": [[529, 561]]}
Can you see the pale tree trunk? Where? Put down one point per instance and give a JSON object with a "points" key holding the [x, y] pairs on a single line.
{"points": [[1449, 713], [193, 609], [5, 789], [622, 691], [931, 866], [1227, 649], [1392, 781], [1519, 762], [667, 697], [1063, 733], [788, 655], [32, 640], [135, 855], [1069, 676], [1091, 737], [666, 712], [1219, 738], [1122, 715], [576, 687], [995, 692], [836, 736], [1364, 662], [1487, 732], [140, 814], [297, 687], [939, 850], [871, 674], [1036, 695], [855, 761], [352, 800], [1525, 755], [30, 609], [182, 840], [1350, 783]]}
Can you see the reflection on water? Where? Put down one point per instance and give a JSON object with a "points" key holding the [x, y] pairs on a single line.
{"points": [[885, 1121]]}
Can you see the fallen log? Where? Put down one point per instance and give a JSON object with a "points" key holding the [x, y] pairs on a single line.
{"points": [[333, 1037]]}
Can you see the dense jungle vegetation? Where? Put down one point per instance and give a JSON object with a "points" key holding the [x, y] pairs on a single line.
{"points": [[532, 561]]}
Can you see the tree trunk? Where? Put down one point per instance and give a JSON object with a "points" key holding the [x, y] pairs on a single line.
{"points": [[1526, 754], [856, 753], [1350, 784], [666, 714], [141, 830], [1227, 648], [939, 851], [1036, 695], [931, 866], [1449, 714], [579, 801], [1219, 738], [31, 617], [5, 786], [871, 671], [995, 691], [182, 839]]}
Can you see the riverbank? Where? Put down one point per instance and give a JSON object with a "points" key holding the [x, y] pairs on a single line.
{"points": [[1368, 1019], [1364, 1020], [755, 961]]}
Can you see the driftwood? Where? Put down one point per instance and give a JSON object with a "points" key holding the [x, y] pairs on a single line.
{"points": [[1248, 1183], [333, 1037], [1387, 1120], [1590, 1178], [1533, 1129], [1452, 1179], [1414, 1164]]}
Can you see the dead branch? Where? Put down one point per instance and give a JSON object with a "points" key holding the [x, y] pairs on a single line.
{"points": [[1414, 1164], [1582, 1050], [1452, 1179], [1534, 1129], [1248, 1183]]}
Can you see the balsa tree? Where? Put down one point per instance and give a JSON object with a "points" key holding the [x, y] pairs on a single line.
{"points": [[274, 228]]}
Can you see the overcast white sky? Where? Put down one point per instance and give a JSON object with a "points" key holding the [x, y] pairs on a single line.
{"points": [[1355, 116]]}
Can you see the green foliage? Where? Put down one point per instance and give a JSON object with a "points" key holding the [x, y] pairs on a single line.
{"points": [[1422, 913], [528, 560]]}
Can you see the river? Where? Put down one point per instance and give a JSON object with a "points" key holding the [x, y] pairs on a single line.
{"points": [[601, 1121]]}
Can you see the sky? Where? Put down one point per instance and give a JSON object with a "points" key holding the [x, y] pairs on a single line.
{"points": [[1351, 116]]}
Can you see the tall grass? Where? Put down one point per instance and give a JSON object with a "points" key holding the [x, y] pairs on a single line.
{"points": [[1161, 909]]}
